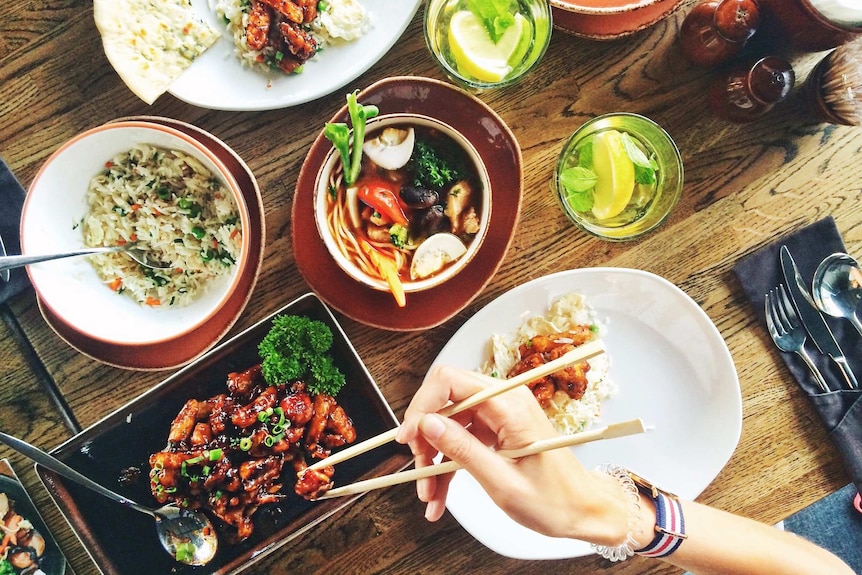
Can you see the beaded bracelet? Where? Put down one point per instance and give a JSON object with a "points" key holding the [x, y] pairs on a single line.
{"points": [[670, 523], [633, 517]]}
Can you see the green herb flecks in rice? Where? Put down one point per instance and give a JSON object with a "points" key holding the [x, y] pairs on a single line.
{"points": [[172, 205]]}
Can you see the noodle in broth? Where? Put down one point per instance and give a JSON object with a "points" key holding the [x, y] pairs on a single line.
{"points": [[433, 148]]}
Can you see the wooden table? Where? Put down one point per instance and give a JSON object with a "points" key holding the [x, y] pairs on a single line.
{"points": [[745, 185]]}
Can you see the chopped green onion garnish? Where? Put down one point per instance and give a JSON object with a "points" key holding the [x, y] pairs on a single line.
{"points": [[185, 551], [245, 443]]}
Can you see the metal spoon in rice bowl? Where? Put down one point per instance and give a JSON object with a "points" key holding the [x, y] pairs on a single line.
{"points": [[130, 248]]}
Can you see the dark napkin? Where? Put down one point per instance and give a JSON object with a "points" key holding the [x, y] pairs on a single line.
{"points": [[839, 410], [11, 201]]}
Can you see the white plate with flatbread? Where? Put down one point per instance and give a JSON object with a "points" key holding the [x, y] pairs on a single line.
{"points": [[671, 367], [216, 79]]}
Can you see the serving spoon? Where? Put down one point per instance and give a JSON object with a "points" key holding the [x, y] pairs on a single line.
{"points": [[837, 288], [130, 248], [187, 535]]}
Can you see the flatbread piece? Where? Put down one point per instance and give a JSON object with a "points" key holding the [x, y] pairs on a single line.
{"points": [[151, 42]]}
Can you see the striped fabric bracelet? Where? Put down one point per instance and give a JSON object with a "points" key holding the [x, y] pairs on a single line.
{"points": [[669, 526]]}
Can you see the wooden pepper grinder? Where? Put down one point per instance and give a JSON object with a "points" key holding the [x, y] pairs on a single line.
{"points": [[745, 92], [716, 30]]}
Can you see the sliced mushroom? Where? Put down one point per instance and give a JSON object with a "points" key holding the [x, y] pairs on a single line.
{"points": [[459, 198], [427, 222], [21, 557], [418, 198], [391, 149], [34, 540], [434, 254]]}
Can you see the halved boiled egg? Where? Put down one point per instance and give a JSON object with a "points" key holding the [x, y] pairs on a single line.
{"points": [[435, 253], [391, 149]]}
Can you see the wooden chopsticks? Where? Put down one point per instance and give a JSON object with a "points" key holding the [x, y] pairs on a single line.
{"points": [[581, 353], [621, 429]]}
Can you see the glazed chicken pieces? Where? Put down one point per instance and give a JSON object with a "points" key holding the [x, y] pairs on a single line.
{"points": [[233, 452], [544, 348]]}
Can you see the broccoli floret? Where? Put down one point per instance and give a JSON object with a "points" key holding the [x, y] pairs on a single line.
{"points": [[436, 167], [398, 235], [297, 347]]}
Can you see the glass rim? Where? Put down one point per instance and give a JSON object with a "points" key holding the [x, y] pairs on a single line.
{"points": [[674, 168], [478, 85]]}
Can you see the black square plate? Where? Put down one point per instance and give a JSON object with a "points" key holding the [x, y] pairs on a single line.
{"points": [[123, 541]]}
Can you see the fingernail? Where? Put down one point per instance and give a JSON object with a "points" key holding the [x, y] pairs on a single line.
{"points": [[432, 425]]}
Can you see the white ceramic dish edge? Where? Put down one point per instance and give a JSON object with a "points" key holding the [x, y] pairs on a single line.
{"points": [[321, 188], [691, 400], [217, 80], [50, 223]]}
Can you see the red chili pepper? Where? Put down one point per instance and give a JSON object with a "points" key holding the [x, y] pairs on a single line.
{"points": [[384, 201]]}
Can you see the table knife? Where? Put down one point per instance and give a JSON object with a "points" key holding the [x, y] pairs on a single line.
{"points": [[814, 323]]}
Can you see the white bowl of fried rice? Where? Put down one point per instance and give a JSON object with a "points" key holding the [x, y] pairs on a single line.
{"points": [[135, 181]]}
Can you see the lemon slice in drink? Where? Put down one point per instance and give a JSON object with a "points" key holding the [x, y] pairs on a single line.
{"points": [[474, 51], [615, 175]]}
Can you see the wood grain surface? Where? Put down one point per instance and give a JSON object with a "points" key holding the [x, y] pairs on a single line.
{"points": [[745, 185]]}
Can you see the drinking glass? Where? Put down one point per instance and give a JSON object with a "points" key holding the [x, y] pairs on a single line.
{"points": [[462, 45], [650, 203]]}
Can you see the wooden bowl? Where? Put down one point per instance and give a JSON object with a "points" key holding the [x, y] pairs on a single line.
{"points": [[609, 19]]}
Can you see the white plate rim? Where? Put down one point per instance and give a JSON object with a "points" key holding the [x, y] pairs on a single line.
{"points": [[217, 80], [477, 513]]}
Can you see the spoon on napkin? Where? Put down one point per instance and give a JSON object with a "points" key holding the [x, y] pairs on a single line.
{"points": [[837, 288], [186, 534], [130, 248]]}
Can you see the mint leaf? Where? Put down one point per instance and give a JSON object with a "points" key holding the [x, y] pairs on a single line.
{"points": [[495, 15], [636, 155], [578, 179], [644, 175], [501, 23], [581, 201], [585, 154], [645, 168]]}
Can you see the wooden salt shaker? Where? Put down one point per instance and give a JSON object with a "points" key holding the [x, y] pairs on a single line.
{"points": [[716, 30], [745, 92]]}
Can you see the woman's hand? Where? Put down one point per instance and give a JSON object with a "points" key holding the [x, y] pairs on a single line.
{"points": [[549, 492]]}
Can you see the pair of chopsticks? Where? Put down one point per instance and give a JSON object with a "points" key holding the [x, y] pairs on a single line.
{"points": [[581, 353], [621, 429]]}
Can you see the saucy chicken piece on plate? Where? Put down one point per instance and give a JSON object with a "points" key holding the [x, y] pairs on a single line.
{"points": [[235, 451], [541, 349], [275, 29]]}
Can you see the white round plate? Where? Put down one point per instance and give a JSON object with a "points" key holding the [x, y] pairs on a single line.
{"points": [[672, 369], [217, 80]]}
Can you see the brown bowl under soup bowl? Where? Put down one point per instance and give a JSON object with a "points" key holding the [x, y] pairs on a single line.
{"points": [[345, 221], [609, 19]]}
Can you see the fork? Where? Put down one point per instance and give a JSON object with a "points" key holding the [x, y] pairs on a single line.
{"points": [[787, 331]]}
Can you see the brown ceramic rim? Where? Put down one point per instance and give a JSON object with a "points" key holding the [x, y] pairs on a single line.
{"points": [[181, 350], [610, 23], [500, 151]]}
